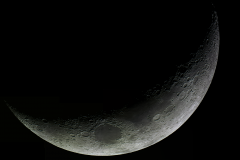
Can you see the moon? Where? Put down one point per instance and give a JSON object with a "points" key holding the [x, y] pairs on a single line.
{"points": [[127, 118]]}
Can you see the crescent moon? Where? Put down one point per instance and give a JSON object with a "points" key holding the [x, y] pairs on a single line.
{"points": [[130, 129]]}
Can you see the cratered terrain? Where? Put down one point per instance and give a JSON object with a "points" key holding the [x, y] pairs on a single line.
{"points": [[147, 75]]}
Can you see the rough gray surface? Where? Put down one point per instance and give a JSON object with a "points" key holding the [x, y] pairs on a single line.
{"points": [[133, 128]]}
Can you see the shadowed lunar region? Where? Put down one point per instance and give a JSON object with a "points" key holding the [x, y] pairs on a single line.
{"points": [[138, 104]]}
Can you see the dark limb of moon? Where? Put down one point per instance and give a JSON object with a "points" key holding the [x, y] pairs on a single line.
{"points": [[138, 105]]}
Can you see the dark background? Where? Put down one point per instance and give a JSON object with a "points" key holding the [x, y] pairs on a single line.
{"points": [[202, 136]]}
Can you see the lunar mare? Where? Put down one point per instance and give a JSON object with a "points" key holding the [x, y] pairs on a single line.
{"points": [[144, 124]]}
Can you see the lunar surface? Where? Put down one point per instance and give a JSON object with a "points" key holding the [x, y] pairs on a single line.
{"points": [[119, 121]]}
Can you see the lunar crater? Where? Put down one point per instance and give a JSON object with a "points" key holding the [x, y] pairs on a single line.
{"points": [[156, 117]]}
